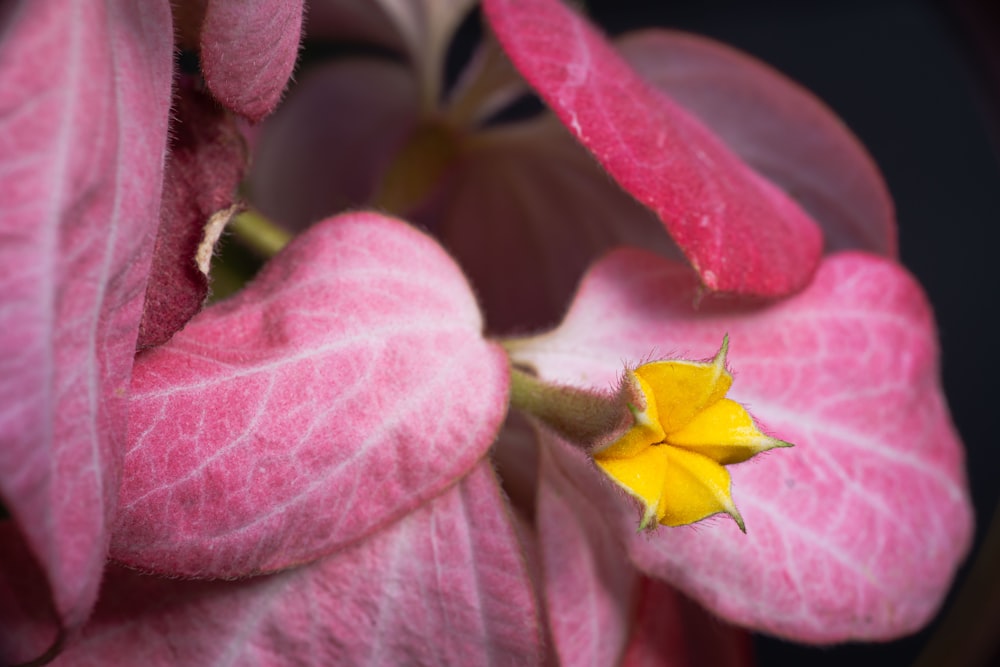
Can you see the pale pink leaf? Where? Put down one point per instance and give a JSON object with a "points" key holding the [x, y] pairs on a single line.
{"points": [[328, 146], [248, 51], [776, 126], [856, 532], [345, 386], [590, 587], [445, 585], [740, 232], [84, 99]]}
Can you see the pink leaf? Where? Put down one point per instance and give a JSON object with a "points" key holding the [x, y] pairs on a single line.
{"points": [[856, 532], [445, 585], [248, 51], [206, 162], [672, 631], [84, 98], [31, 626], [342, 389], [779, 128], [326, 149], [739, 231], [525, 211], [590, 587]]}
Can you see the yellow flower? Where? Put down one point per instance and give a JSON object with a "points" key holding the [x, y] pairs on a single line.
{"points": [[672, 457]]}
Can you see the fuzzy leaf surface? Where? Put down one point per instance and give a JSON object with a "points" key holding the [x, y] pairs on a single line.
{"points": [[206, 162], [855, 533], [343, 388], [84, 99], [779, 128], [590, 587], [741, 233], [445, 585], [248, 51]]}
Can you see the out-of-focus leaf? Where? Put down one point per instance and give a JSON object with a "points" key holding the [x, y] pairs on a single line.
{"points": [[328, 147]]}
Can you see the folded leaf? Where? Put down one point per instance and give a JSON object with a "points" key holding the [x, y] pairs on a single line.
{"points": [[738, 230], [855, 533], [343, 388], [445, 585], [206, 162], [778, 127], [84, 100]]}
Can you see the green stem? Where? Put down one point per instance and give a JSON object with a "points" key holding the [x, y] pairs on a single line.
{"points": [[258, 233], [586, 418]]}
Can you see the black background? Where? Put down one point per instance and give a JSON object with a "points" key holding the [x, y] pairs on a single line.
{"points": [[919, 83]]}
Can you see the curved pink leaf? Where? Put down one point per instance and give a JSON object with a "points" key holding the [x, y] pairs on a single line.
{"points": [[446, 585], [248, 51], [857, 531], [329, 145], [739, 231], [344, 387], [779, 128], [590, 587], [84, 98]]}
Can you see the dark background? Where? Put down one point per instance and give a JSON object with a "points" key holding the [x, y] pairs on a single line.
{"points": [[919, 83]]}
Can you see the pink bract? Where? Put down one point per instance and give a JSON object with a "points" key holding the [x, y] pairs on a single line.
{"points": [[856, 532], [84, 100], [776, 126], [445, 585], [739, 231], [343, 388]]}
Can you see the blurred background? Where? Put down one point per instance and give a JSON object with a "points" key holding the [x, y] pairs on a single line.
{"points": [[919, 82]]}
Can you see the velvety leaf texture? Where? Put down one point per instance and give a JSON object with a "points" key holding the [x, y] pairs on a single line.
{"points": [[344, 387], [84, 98], [779, 128], [590, 587], [739, 231], [205, 165], [856, 531], [446, 585], [248, 51]]}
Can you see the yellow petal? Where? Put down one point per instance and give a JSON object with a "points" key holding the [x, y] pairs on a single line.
{"points": [[695, 487], [725, 433], [642, 476], [645, 432], [682, 389]]}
